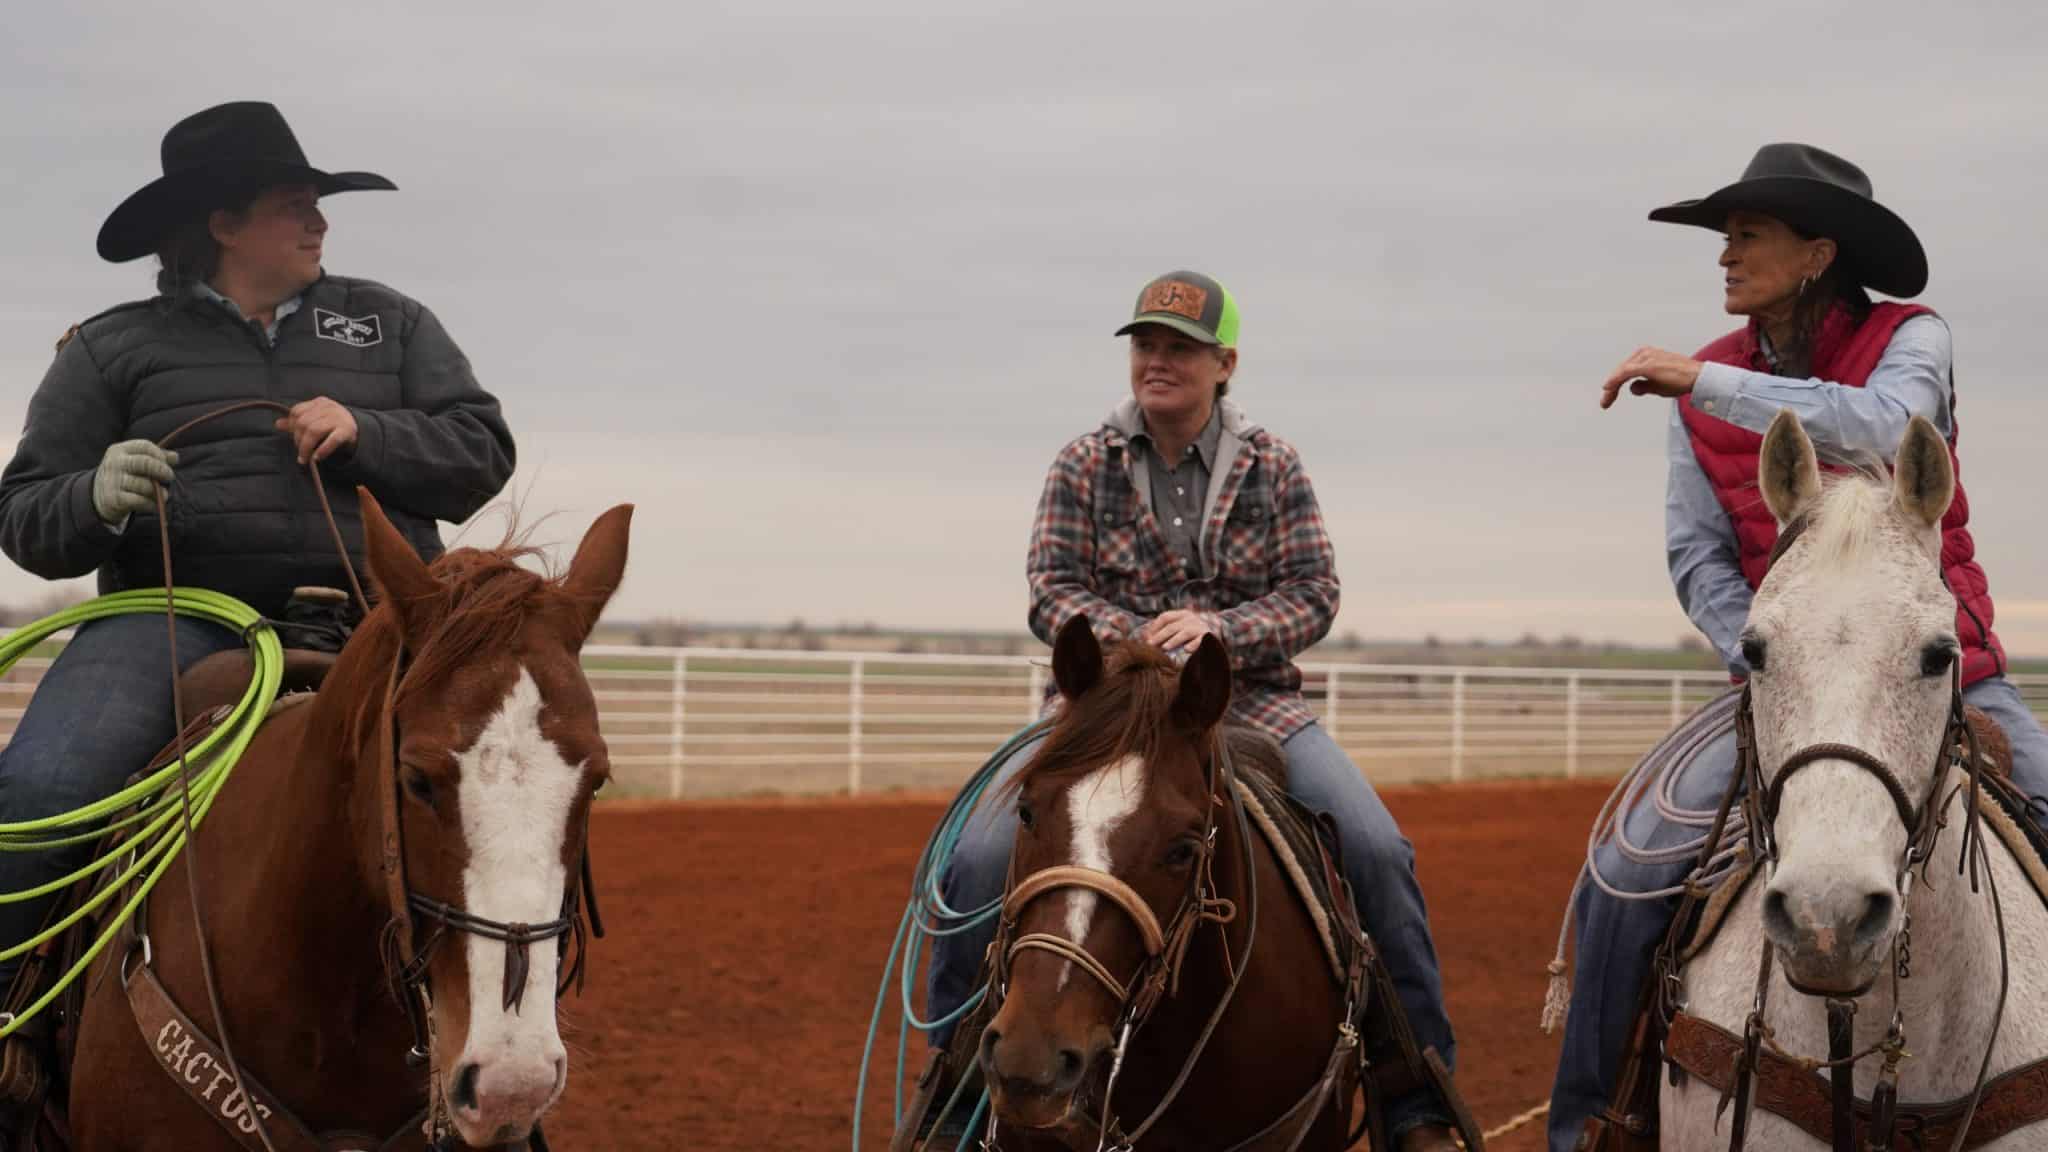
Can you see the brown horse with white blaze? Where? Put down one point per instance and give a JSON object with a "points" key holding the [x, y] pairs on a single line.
{"points": [[1126, 961], [426, 812]]}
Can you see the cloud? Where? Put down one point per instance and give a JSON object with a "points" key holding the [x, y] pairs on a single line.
{"points": [[824, 290]]}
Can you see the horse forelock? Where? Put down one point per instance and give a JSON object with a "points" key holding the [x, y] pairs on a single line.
{"points": [[1125, 715], [1847, 526], [488, 598]]}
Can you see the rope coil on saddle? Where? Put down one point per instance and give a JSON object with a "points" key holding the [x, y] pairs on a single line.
{"points": [[1659, 779]]}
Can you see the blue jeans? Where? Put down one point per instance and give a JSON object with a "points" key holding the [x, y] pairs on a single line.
{"points": [[1378, 861], [1618, 938], [102, 710]]}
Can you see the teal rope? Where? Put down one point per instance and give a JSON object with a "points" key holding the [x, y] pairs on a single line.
{"points": [[926, 917]]}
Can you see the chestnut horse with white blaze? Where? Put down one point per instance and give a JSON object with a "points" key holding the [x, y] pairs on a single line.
{"points": [[394, 865]]}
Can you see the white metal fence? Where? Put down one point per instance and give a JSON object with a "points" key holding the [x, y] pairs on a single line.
{"points": [[697, 722]]}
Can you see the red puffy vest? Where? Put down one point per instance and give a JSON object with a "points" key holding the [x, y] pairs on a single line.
{"points": [[1845, 353]]}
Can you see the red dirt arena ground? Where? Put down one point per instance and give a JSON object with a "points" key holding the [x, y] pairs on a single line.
{"points": [[726, 1009]]}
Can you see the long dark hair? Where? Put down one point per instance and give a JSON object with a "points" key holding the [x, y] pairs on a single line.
{"points": [[189, 254], [1838, 285]]}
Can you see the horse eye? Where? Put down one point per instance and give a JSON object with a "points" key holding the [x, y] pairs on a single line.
{"points": [[1937, 658], [1024, 816], [1753, 652], [1181, 855], [421, 787]]}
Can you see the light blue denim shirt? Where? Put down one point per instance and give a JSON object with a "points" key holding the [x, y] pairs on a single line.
{"points": [[1911, 379], [206, 291]]}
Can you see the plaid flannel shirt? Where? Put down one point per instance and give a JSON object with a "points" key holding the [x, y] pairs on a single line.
{"points": [[1271, 589]]}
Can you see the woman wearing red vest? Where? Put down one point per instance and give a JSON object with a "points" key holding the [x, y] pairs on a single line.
{"points": [[1805, 242]]}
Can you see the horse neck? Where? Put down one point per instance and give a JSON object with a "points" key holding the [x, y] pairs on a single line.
{"points": [[1276, 997], [1951, 1000], [294, 919], [312, 819]]}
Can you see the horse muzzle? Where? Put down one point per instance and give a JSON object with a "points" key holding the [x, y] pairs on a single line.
{"points": [[1832, 939], [1035, 1079], [501, 1101]]}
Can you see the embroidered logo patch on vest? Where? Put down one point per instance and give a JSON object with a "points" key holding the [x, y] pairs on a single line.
{"points": [[354, 331]]}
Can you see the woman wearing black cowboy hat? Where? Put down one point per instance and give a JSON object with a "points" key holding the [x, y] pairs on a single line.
{"points": [[379, 394], [1805, 245]]}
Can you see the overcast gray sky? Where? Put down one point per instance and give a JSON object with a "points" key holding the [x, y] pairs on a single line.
{"points": [[822, 287]]}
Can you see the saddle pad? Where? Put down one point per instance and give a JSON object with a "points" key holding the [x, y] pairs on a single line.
{"points": [[2024, 847], [1289, 828]]}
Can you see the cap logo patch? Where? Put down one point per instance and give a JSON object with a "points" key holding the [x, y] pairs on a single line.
{"points": [[1176, 297]]}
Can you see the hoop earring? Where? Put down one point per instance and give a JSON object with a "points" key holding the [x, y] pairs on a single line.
{"points": [[1805, 282]]}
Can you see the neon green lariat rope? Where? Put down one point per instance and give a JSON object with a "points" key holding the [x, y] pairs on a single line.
{"points": [[151, 806]]}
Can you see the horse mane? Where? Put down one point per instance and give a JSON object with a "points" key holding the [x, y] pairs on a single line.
{"points": [[487, 598]]}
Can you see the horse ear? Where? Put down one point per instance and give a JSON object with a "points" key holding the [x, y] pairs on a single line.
{"points": [[1924, 476], [1076, 658], [599, 566], [1789, 471], [1204, 692], [400, 576]]}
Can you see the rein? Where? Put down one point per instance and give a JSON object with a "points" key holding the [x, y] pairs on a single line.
{"points": [[192, 882]]}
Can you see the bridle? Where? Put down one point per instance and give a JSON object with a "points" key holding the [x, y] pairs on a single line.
{"points": [[1923, 823], [1158, 975], [408, 960]]}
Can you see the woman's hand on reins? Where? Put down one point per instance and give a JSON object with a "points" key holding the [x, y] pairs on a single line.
{"points": [[1177, 629], [1651, 372], [319, 428]]}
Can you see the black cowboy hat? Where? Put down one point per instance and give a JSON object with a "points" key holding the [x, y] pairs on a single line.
{"points": [[1820, 194], [210, 158]]}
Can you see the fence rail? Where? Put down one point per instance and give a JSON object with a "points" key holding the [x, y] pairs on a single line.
{"points": [[699, 722]]}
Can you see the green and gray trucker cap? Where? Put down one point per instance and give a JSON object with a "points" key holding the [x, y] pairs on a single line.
{"points": [[1189, 303]]}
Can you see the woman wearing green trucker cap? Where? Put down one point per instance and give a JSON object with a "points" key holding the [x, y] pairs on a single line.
{"points": [[1179, 517]]}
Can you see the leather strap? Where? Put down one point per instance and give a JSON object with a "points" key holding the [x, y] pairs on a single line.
{"points": [[1300, 1119], [1080, 957], [195, 1063], [2011, 1102], [1118, 892]]}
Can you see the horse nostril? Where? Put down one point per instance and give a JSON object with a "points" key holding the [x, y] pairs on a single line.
{"points": [[989, 1039], [1877, 916], [1072, 1065], [1778, 916], [464, 1096]]}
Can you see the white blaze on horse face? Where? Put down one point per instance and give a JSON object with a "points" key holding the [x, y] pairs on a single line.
{"points": [[516, 794], [1096, 805]]}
